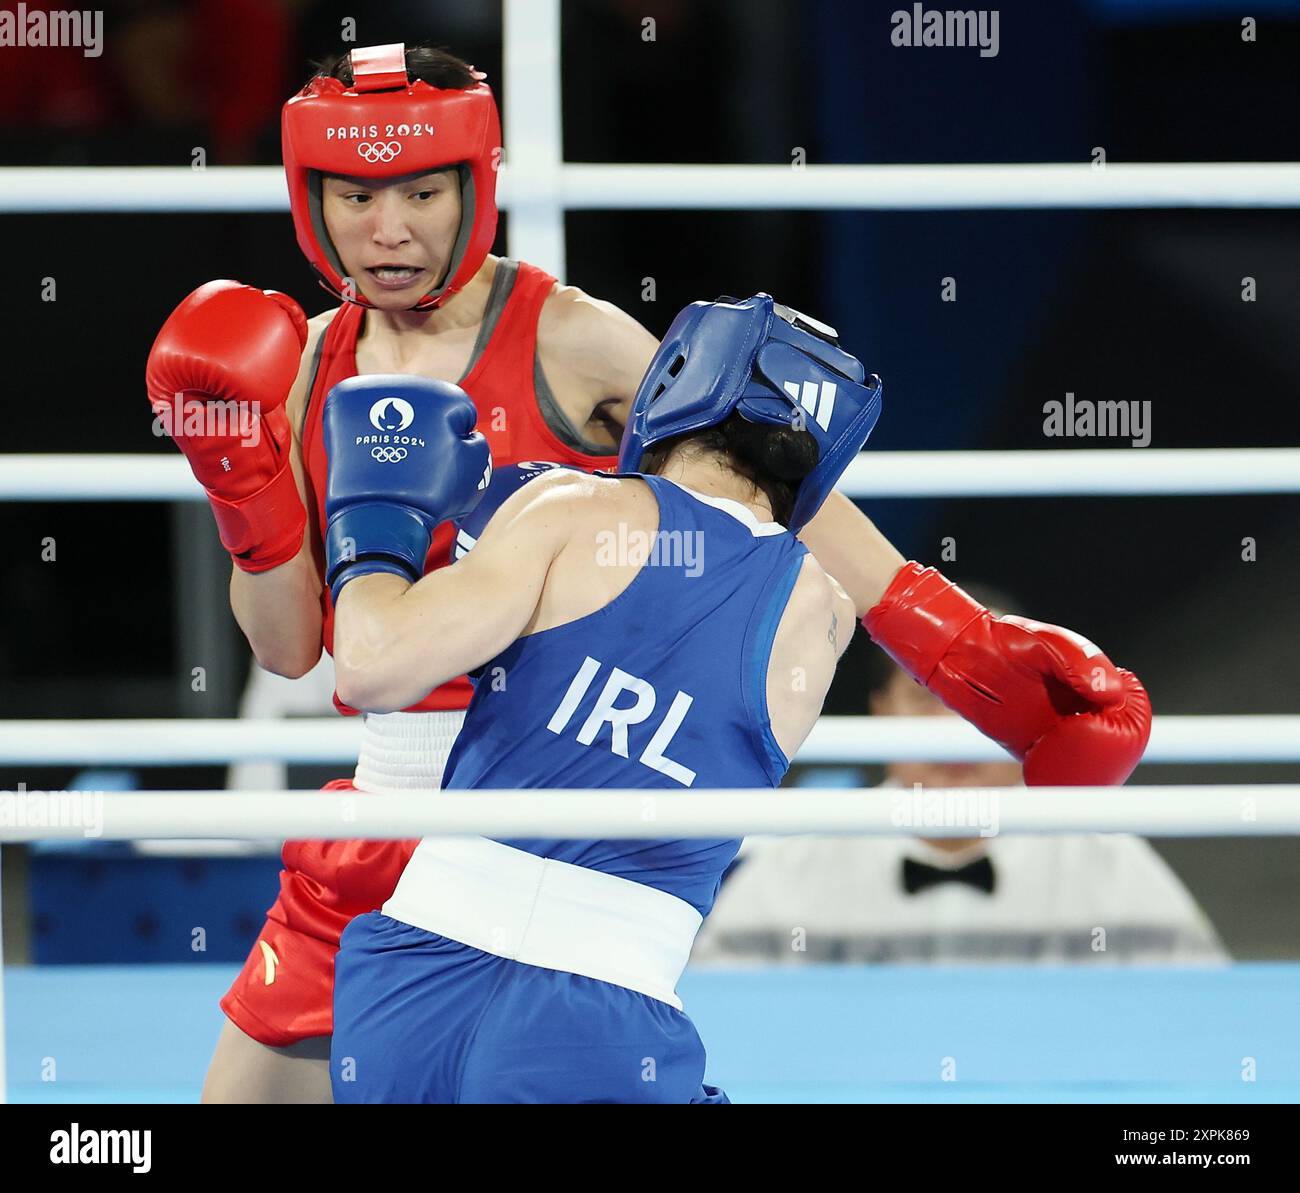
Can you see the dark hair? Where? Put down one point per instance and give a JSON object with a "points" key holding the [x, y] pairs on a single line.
{"points": [[773, 459], [881, 668], [430, 64]]}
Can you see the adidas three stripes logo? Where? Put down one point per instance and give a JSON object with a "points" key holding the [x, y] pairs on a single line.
{"points": [[818, 400]]}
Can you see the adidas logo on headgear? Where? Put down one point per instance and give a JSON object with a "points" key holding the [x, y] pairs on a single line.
{"points": [[819, 401]]}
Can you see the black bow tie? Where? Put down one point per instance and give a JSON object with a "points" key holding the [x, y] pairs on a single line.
{"points": [[918, 876]]}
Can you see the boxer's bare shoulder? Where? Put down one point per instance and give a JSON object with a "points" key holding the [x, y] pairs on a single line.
{"points": [[593, 354], [566, 511], [572, 498], [602, 499], [569, 312], [819, 611], [813, 633]]}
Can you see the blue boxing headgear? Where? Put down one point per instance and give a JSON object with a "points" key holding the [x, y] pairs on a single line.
{"points": [[772, 364]]}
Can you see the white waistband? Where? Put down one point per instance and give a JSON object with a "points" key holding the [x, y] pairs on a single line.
{"points": [[548, 913], [405, 751]]}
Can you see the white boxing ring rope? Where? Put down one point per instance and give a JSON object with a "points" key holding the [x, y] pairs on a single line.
{"points": [[1173, 811], [528, 180], [1085, 472], [333, 739]]}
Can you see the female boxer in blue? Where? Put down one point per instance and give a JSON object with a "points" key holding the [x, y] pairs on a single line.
{"points": [[660, 629]]}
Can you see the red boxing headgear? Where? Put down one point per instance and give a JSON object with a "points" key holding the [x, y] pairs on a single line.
{"points": [[382, 126]]}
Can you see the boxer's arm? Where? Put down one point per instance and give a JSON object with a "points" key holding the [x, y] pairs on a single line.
{"points": [[395, 642], [847, 544], [594, 356], [813, 633], [280, 610]]}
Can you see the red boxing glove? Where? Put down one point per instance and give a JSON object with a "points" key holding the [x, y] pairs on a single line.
{"points": [[1046, 694], [240, 347]]}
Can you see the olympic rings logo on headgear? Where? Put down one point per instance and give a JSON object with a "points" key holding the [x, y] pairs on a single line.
{"points": [[379, 151], [388, 455]]}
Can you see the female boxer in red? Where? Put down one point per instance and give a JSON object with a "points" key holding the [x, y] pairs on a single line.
{"points": [[391, 162], [391, 158]]}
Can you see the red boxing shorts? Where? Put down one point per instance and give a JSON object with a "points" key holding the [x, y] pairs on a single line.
{"points": [[285, 992]]}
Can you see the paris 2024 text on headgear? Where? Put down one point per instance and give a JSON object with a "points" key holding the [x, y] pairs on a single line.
{"points": [[384, 126], [774, 365]]}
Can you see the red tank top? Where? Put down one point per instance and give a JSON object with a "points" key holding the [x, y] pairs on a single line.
{"points": [[501, 385]]}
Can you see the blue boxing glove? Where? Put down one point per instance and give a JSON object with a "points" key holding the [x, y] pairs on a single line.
{"points": [[403, 457], [506, 481]]}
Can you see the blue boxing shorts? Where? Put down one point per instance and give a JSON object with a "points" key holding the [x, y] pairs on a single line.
{"points": [[422, 1018]]}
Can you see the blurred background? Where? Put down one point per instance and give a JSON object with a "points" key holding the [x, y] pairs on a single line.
{"points": [[1130, 305]]}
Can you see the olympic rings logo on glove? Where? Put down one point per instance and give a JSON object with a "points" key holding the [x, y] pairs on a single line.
{"points": [[388, 455], [379, 151]]}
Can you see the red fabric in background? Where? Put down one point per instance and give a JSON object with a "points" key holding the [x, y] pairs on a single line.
{"points": [[241, 52]]}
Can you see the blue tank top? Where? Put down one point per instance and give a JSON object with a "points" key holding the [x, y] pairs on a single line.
{"points": [[664, 687]]}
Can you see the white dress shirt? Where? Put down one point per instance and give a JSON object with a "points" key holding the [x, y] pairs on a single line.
{"points": [[1094, 898]]}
